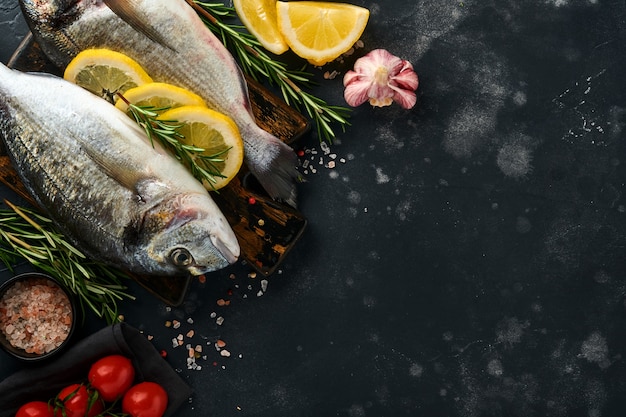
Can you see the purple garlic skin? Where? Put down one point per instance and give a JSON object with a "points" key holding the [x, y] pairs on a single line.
{"points": [[381, 78]]}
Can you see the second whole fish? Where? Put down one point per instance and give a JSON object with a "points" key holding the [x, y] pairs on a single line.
{"points": [[113, 194], [173, 45]]}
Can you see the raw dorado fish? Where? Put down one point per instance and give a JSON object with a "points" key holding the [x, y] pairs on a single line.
{"points": [[173, 45], [113, 194]]}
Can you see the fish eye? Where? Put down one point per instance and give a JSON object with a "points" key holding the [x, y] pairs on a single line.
{"points": [[181, 257]]}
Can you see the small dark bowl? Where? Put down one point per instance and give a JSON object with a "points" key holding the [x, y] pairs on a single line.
{"points": [[21, 353]]}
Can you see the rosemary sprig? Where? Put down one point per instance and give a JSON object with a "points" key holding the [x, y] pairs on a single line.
{"points": [[256, 63], [167, 132], [27, 235]]}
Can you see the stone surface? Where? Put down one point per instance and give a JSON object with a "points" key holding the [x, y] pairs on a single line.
{"points": [[465, 258]]}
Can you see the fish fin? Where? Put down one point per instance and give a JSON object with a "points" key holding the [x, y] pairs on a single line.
{"points": [[275, 169], [117, 169], [127, 11]]}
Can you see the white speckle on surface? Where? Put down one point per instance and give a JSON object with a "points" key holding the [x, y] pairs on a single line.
{"points": [[403, 209], [595, 350], [514, 160], [558, 3], [416, 370], [468, 130], [510, 330], [354, 197], [381, 177], [369, 301], [519, 98], [494, 368]]}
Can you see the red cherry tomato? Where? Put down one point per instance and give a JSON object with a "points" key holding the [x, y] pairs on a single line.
{"points": [[77, 401], [146, 399], [35, 409], [112, 376]]}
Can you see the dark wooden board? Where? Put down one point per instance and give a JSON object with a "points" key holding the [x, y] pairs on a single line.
{"points": [[266, 230]]}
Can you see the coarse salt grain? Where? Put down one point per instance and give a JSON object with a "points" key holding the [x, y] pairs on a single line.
{"points": [[35, 315]]}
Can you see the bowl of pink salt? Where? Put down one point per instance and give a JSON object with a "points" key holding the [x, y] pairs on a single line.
{"points": [[37, 316]]}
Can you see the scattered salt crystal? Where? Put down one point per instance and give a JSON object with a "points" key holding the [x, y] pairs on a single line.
{"points": [[260, 293], [175, 324], [331, 164], [190, 333], [174, 342], [190, 320], [264, 285], [219, 320], [213, 315], [225, 353]]}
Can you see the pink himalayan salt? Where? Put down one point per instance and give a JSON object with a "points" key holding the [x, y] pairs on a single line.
{"points": [[35, 315]]}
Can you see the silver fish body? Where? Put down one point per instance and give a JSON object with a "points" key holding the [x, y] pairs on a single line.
{"points": [[173, 45], [113, 194]]}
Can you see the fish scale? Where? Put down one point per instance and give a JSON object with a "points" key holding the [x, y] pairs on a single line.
{"points": [[186, 54], [116, 196]]}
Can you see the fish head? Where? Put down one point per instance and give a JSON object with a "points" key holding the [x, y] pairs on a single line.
{"points": [[187, 234], [48, 21], [48, 11]]}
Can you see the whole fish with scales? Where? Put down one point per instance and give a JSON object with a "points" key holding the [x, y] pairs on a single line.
{"points": [[112, 193], [173, 45]]}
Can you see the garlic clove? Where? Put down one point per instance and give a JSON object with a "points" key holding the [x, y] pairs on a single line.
{"points": [[381, 78]]}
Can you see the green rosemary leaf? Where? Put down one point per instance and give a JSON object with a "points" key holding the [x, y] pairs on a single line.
{"points": [[256, 63], [29, 236]]}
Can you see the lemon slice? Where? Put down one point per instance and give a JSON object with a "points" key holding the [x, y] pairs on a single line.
{"points": [[214, 132], [320, 31], [105, 72], [159, 96], [259, 17]]}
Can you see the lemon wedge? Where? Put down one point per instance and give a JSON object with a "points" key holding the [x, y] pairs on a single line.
{"points": [[320, 31], [160, 96], [214, 132], [105, 73], [259, 17]]}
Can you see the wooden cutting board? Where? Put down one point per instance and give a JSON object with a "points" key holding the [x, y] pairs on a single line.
{"points": [[266, 229]]}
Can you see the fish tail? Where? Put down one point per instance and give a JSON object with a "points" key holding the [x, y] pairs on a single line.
{"points": [[274, 165]]}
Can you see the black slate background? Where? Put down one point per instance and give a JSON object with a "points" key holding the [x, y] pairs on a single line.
{"points": [[468, 257]]}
